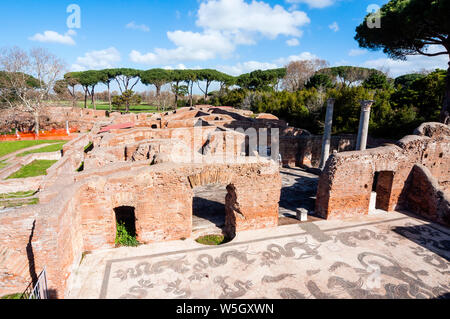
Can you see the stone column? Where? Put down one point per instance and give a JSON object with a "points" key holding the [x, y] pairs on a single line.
{"points": [[326, 141], [363, 130]]}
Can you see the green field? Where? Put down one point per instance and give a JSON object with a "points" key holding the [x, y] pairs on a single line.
{"points": [[46, 149], [35, 168], [13, 146], [142, 108]]}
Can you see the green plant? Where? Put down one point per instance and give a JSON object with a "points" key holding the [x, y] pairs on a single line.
{"points": [[89, 147], [213, 240], [12, 296], [124, 238], [81, 168]]}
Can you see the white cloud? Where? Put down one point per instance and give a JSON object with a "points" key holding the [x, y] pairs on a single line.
{"points": [[414, 63], [226, 24], [302, 56], [317, 4], [191, 46], [293, 42], [142, 27], [334, 26], [257, 16], [246, 67], [180, 66], [55, 37], [357, 52], [102, 59]]}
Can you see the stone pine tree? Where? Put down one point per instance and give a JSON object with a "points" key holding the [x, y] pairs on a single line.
{"points": [[158, 78], [410, 27], [105, 77]]}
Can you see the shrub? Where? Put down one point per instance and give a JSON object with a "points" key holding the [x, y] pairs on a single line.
{"points": [[124, 238]]}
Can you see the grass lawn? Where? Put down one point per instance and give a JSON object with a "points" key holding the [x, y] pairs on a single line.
{"points": [[9, 203], [17, 195], [46, 149], [13, 146], [35, 168]]}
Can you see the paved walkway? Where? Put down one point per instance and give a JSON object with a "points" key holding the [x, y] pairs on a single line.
{"points": [[381, 256]]}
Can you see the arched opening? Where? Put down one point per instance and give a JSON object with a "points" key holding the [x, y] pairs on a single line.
{"points": [[154, 126], [126, 226], [381, 190]]}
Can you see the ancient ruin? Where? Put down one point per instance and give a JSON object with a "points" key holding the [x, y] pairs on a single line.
{"points": [[156, 169]]}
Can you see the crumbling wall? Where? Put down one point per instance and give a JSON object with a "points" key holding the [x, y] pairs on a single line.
{"points": [[162, 197], [426, 198], [37, 237], [347, 181]]}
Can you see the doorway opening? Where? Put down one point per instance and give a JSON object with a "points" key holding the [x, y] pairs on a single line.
{"points": [[381, 191], [208, 209], [126, 226]]}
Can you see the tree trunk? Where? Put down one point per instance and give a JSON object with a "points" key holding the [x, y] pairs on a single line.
{"points": [[74, 97], [206, 91], [158, 90], [176, 95], [109, 98], [93, 98], [445, 113], [85, 98], [36, 123], [190, 95]]}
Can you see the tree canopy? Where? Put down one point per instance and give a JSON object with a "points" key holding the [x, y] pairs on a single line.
{"points": [[410, 27]]}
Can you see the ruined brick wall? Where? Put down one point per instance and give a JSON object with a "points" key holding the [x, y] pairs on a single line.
{"points": [[305, 150], [34, 237], [15, 230], [426, 198], [162, 197], [348, 179]]}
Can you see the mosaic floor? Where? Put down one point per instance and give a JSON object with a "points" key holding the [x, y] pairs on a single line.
{"points": [[385, 256]]}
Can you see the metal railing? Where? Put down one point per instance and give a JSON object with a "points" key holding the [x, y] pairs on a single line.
{"points": [[39, 290]]}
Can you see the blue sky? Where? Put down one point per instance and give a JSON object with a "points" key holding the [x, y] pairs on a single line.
{"points": [[234, 36]]}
